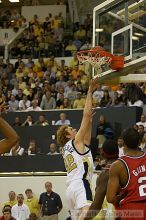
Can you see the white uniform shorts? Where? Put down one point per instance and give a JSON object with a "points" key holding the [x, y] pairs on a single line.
{"points": [[79, 195]]}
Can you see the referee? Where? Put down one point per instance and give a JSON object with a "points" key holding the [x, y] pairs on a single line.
{"points": [[50, 202]]}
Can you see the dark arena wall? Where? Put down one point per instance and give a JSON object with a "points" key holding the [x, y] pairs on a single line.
{"points": [[119, 118]]}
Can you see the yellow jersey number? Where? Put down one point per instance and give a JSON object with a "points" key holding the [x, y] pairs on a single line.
{"points": [[69, 163]]}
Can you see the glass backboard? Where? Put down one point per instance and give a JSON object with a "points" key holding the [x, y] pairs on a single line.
{"points": [[120, 28]]}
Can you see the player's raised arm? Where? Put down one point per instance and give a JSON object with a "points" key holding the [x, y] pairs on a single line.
{"points": [[85, 128], [88, 134], [11, 137]]}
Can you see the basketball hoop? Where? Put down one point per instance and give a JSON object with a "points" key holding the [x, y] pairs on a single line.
{"points": [[98, 57]]}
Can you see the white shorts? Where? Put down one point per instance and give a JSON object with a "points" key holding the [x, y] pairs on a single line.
{"points": [[79, 195]]}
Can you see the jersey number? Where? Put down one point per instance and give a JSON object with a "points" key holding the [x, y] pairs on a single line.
{"points": [[69, 163], [142, 187]]}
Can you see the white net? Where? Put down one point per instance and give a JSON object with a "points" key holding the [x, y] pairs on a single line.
{"points": [[94, 59]]}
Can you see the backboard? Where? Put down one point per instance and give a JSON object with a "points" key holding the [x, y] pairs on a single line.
{"points": [[119, 26]]}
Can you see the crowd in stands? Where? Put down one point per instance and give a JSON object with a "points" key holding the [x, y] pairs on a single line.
{"points": [[29, 207], [11, 19], [33, 149], [46, 84], [51, 37]]}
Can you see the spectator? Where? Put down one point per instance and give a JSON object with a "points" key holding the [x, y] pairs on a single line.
{"points": [[19, 96], [98, 93], [24, 103], [142, 121], [63, 120], [135, 127], [13, 104], [52, 149], [32, 202], [42, 121], [100, 130], [74, 62], [88, 22], [141, 131], [120, 143], [60, 101], [134, 95], [61, 82], [59, 32], [72, 94], [80, 33], [86, 46], [70, 48], [17, 150], [25, 23], [7, 214], [66, 104], [143, 143], [9, 94], [30, 63], [68, 87], [77, 42], [12, 199], [117, 100], [20, 210], [32, 148], [75, 72], [29, 121], [8, 206], [18, 62], [120, 90], [17, 121], [16, 87], [79, 101], [106, 99], [33, 216], [48, 102], [34, 106], [50, 202], [15, 15], [29, 92], [60, 93]]}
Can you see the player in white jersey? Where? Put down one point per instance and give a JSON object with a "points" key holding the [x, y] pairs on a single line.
{"points": [[78, 160]]}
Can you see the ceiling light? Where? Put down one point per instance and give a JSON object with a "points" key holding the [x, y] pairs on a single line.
{"points": [[139, 34], [99, 29], [14, 0], [135, 38]]}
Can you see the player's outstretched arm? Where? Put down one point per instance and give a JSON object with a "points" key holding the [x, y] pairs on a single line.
{"points": [[11, 137], [87, 116], [88, 134], [101, 187]]}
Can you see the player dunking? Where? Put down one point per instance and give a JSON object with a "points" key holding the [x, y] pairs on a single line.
{"points": [[78, 160], [11, 138], [129, 174]]}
